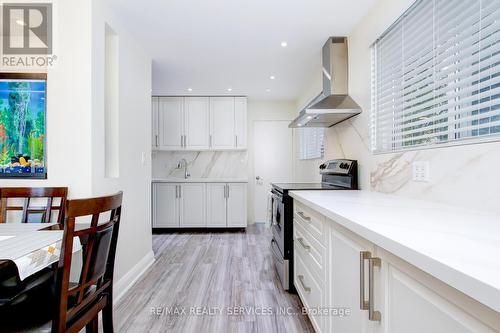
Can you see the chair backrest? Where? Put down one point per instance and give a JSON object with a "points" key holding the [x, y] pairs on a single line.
{"points": [[98, 252], [40, 212]]}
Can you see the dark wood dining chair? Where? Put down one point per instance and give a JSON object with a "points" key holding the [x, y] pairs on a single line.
{"points": [[77, 305], [40, 213]]}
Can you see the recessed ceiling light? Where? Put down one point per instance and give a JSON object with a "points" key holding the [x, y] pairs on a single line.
{"points": [[272, 77], [190, 89], [300, 125], [229, 89], [284, 43], [268, 90], [20, 22], [309, 117]]}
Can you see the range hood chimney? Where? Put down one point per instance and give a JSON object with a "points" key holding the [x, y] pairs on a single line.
{"points": [[333, 105]]}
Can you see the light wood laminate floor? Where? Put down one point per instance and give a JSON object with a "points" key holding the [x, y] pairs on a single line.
{"points": [[220, 272]]}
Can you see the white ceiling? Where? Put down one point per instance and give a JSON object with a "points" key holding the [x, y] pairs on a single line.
{"points": [[213, 45]]}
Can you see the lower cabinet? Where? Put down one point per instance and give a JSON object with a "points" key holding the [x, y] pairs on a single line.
{"points": [[350, 284], [199, 205], [369, 290]]}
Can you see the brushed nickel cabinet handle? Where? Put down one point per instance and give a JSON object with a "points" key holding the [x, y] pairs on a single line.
{"points": [[307, 218], [210, 141], [363, 255], [236, 143], [156, 140], [180, 191], [301, 241], [301, 280], [373, 314]]}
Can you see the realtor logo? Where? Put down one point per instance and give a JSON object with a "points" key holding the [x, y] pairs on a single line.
{"points": [[27, 28]]}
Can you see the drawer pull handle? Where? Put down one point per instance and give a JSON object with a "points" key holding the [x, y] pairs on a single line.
{"points": [[363, 255], [373, 315], [307, 218], [301, 280], [301, 241]]}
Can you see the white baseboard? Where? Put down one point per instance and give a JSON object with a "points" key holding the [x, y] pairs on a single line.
{"points": [[121, 286]]}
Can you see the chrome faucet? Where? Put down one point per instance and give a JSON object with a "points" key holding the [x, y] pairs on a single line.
{"points": [[184, 164]]}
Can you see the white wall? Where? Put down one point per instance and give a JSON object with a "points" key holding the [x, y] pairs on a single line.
{"points": [[462, 175], [68, 102], [134, 130]]}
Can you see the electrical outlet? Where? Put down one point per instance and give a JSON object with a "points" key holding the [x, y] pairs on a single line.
{"points": [[421, 171]]}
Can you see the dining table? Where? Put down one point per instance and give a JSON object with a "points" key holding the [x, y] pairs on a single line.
{"points": [[33, 246]]}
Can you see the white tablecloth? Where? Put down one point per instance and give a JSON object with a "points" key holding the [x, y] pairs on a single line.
{"points": [[30, 248]]}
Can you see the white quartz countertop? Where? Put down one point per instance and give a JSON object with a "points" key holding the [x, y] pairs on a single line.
{"points": [[199, 180], [457, 246]]}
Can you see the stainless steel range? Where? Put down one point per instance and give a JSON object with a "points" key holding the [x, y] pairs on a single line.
{"points": [[338, 174]]}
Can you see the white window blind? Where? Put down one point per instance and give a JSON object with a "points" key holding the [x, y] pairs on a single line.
{"points": [[311, 142], [436, 76]]}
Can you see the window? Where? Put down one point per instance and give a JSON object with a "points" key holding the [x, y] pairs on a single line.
{"points": [[311, 143], [436, 76]]}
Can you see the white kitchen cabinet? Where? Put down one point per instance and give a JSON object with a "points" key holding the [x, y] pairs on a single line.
{"points": [[345, 282], [165, 205], [171, 123], [192, 202], [216, 205], [237, 205], [240, 122], [222, 123], [196, 111], [154, 122], [199, 123]]}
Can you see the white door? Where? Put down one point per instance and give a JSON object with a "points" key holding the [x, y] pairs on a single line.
{"points": [[165, 205], [216, 205], [237, 205], [192, 202], [171, 122], [240, 122], [197, 124], [154, 122], [222, 122], [345, 291], [273, 142]]}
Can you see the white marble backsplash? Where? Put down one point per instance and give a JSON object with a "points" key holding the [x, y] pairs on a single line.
{"points": [[463, 175], [201, 164]]}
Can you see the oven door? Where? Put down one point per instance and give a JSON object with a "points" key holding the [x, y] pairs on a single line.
{"points": [[278, 221], [281, 265]]}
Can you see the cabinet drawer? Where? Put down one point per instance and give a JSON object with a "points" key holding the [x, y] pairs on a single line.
{"points": [[310, 291], [311, 220], [311, 250]]}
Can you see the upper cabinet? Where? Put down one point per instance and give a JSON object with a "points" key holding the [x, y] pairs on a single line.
{"points": [[199, 123], [240, 122], [222, 123], [170, 123], [196, 116]]}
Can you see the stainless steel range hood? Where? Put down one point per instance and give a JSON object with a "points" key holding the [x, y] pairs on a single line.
{"points": [[333, 105]]}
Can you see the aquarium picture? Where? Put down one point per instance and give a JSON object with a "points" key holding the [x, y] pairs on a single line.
{"points": [[22, 125]]}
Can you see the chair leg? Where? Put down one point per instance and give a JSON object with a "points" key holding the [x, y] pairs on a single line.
{"points": [[107, 317], [93, 325]]}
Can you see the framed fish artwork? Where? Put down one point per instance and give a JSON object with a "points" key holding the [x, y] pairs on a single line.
{"points": [[23, 114]]}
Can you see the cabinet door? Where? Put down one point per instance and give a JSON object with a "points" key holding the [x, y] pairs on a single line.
{"points": [[193, 201], [165, 206], [413, 308], [345, 284], [197, 122], [216, 205], [237, 205], [154, 122], [222, 122], [171, 122], [240, 122]]}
